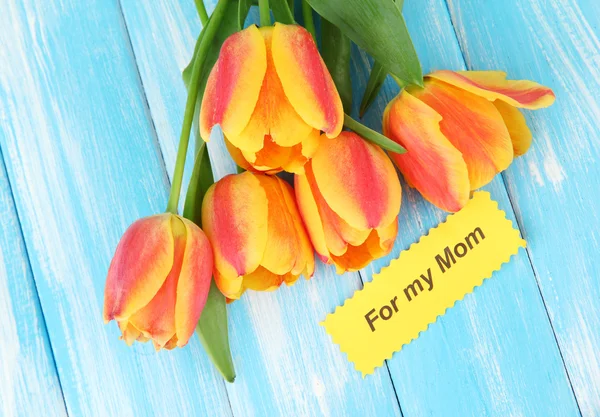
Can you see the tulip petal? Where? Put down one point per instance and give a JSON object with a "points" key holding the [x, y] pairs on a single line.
{"points": [[306, 80], [378, 243], [262, 280], [232, 288], [273, 114], [194, 281], [305, 260], [387, 237], [310, 214], [431, 164], [290, 279], [237, 156], [357, 180], [287, 128], [270, 158], [234, 217], [330, 221], [172, 343], [296, 161], [493, 85], [157, 319], [311, 143], [139, 268], [474, 126], [282, 248], [520, 135], [355, 257], [130, 333], [300, 154], [234, 84]]}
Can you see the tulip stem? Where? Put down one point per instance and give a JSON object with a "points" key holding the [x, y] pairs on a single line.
{"points": [[190, 105], [309, 23], [372, 136], [201, 11], [265, 13]]}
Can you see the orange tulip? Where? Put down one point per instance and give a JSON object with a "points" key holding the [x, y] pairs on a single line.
{"points": [[460, 130], [158, 281], [271, 94], [256, 232], [349, 199]]}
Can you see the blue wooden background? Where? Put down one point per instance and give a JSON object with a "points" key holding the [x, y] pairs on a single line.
{"points": [[91, 104]]}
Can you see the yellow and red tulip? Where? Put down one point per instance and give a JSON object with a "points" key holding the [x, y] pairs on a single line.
{"points": [[256, 232], [460, 130], [158, 281], [272, 95], [349, 199]]}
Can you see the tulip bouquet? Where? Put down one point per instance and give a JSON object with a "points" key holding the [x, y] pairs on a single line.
{"points": [[280, 103]]}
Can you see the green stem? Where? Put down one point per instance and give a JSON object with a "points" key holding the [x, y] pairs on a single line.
{"points": [[201, 11], [307, 14], [190, 104], [265, 13], [372, 136]]}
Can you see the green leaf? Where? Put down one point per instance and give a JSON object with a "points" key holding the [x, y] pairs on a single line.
{"points": [[282, 12], [376, 79], [372, 136], [200, 181], [377, 26], [213, 333], [212, 326], [335, 50]]}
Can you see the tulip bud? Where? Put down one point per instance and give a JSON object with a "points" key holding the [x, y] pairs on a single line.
{"points": [[349, 200], [158, 281], [272, 95], [256, 232], [460, 130]]}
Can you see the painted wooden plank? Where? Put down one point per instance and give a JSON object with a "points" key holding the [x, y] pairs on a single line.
{"points": [[285, 362], [554, 187], [83, 160], [494, 353], [29, 384]]}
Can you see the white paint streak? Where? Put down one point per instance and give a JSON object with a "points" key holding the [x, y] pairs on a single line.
{"points": [[554, 171], [535, 173], [585, 360], [28, 382], [9, 348]]}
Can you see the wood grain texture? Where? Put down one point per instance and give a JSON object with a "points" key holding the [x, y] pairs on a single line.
{"points": [[285, 362], [83, 162], [554, 188], [84, 124], [494, 353], [29, 384]]}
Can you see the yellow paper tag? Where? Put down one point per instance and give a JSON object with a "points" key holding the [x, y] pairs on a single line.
{"points": [[428, 278]]}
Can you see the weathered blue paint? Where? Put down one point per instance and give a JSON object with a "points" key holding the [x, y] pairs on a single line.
{"points": [[91, 105], [554, 188], [29, 384], [84, 163]]}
